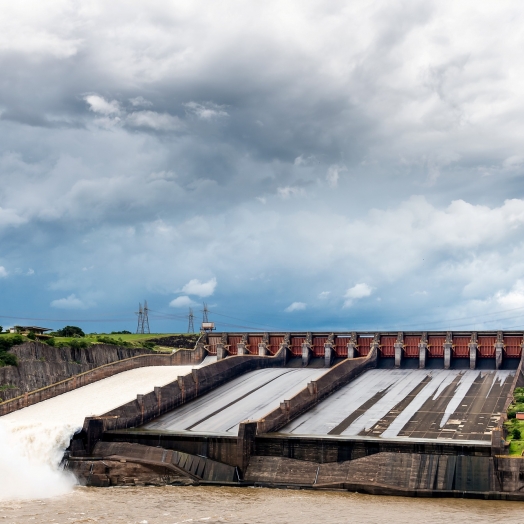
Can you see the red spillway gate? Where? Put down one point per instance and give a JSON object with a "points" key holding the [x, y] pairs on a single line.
{"points": [[364, 345], [341, 346], [411, 346], [486, 346], [512, 346], [212, 344], [296, 346], [253, 342], [318, 346], [274, 343], [233, 341], [436, 346], [387, 345], [461, 347]]}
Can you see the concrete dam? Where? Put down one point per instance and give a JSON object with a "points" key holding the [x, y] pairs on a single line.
{"points": [[416, 414]]}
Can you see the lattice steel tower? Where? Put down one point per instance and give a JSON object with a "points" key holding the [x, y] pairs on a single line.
{"points": [[191, 323], [145, 319], [140, 325]]}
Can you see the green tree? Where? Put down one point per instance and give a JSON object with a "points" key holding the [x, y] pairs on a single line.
{"points": [[31, 335], [70, 331]]}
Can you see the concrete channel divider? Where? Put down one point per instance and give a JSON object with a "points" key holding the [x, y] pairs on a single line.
{"points": [[164, 399], [316, 391], [181, 357]]}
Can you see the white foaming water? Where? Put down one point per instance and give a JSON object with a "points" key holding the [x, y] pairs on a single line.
{"points": [[33, 439]]}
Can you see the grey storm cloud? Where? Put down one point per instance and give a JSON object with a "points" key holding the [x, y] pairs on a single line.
{"points": [[284, 149]]}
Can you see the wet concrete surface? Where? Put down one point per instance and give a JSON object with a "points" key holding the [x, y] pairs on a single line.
{"points": [[248, 397], [429, 404]]}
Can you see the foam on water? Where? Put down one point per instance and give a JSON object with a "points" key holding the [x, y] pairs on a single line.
{"points": [[33, 440]]}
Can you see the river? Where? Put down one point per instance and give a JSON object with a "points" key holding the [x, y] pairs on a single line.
{"points": [[170, 505]]}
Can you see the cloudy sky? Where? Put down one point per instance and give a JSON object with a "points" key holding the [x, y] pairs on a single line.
{"points": [[294, 164]]}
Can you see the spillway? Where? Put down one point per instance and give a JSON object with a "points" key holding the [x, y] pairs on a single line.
{"points": [[248, 397], [40, 433], [448, 404]]}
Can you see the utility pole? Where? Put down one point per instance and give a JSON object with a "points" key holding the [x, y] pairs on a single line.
{"points": [[205, 312], [191, 324]]}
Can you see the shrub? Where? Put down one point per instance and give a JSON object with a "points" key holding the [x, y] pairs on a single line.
{"points": [[516, 433], [17, 339], [8, 359], [112, 341], [50, 342], [78, 344], [148, 345], [31, 335], [121, 332]]}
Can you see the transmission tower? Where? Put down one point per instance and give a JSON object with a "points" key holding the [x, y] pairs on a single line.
{"points": [[205, 312], [140, 325], [145, 319], [191, 324]]}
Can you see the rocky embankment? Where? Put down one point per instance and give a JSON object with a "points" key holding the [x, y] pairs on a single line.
{"points": [[40, 365]]}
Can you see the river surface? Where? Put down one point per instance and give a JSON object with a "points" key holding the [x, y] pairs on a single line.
{"points": [[170, 505]]}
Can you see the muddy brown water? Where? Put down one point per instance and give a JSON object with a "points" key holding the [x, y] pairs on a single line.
{"points": [[170, 505]]}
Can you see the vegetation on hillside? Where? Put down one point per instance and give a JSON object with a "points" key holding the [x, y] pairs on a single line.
{"points": [[6, 343], [514, 427], [79, 340]]}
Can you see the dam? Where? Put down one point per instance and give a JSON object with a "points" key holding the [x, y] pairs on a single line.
{"points": [[406, 413]]}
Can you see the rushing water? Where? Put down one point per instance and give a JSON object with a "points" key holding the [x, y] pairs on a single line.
{"points": [[170, 505]]}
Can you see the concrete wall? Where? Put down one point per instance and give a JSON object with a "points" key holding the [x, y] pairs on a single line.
{"points": [[40, 365], [338, 376], [384, 473], [180, 358]]}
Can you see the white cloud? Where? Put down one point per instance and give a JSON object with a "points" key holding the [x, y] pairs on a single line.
{"points": [[333, 175], [296, 306], [100, 105], [71, 302], [153, 120], [513, 298], [356, 292], [324, 294], [289, 191], [140, 101], [30, 272], [201, 289], [207, 110], [183, 301], [3, 272]]}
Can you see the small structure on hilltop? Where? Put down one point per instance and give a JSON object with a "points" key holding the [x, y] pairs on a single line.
{"points": [[25, 330]]}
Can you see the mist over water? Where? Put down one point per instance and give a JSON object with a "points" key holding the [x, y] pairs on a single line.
{"points": [[29, 461]]}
